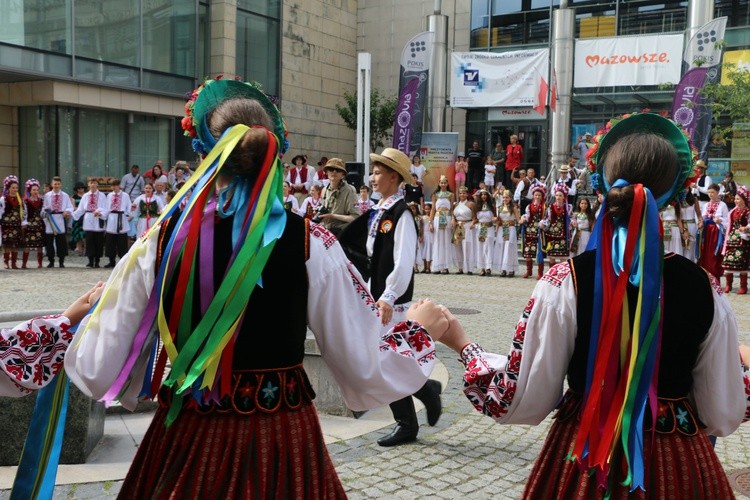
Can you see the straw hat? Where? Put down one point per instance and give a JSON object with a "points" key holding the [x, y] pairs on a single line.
{"points": [[335, 164], [396, 161]]}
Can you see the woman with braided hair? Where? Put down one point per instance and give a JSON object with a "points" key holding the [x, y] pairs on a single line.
{"points": [[647, 382], [236, 418]]}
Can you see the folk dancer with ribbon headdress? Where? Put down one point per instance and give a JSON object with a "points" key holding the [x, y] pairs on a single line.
{"points": [[12, 220], [647, 382], [737, 241], [532, 231], [711, 238], [33, 233], [556, 224], [197, 291]]}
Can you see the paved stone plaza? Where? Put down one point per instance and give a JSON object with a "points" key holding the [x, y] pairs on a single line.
{"points": [[466, 454]]}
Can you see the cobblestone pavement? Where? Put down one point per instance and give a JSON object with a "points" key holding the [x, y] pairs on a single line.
{"points": [[465, 454]]}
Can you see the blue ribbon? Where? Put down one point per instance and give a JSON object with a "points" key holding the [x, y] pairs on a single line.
{"points": [[52, 220]]}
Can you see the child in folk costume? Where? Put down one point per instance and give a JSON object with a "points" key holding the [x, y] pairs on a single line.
{"points": [[364, 203], [291, 203], [715, 222], [583, 220], [489, 173], [417, 215], [33, 234], [464, 234], [93, 209], [145, 209], [557, 226], [672, 227], [531, 220], [692, 222], [12, 219], [440, 218], [462, 167], [117, 227], [484, 219], [424, 247], [310, 205], [737, 241], [506, 241]]}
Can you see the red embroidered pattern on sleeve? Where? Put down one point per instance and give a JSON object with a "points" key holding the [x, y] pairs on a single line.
{"points": [[557, 274], [490, 391], [409, 339], [715, 283], [361, 289], [34, 354], [323, 234]]}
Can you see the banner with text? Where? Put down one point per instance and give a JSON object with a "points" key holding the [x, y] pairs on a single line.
{"points": [[438, 154], [500, 79], [412, 90], [641, 60], [702, 58]]}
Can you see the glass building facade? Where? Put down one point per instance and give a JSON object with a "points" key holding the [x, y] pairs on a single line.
{"points": [[502, 25], [157, 47]]}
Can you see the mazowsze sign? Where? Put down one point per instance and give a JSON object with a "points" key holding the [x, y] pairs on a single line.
{"points": [[641, 60]]}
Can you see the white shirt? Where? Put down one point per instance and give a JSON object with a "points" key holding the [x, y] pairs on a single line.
{"points": [[404, 251], [419, 170], [54, 203], [118, 202], [93, 207]]}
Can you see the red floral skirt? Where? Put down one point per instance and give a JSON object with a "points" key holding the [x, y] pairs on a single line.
{"points": [[677, 466], [228, 455]]}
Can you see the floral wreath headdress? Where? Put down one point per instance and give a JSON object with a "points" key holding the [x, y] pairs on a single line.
{"points": [[561, 188], [622, 366], [11, 179], [30, 184], [651, 123], [743, 192], [213, 92]]}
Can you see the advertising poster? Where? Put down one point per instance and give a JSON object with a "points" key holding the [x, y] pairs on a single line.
{"points": [[438, 154], [638, 60], [499, 79]]}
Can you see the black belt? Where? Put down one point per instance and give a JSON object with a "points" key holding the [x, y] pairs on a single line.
{"points": [[56, 213]]}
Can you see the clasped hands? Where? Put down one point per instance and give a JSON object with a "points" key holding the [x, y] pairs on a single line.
{"points": [[439, 322]]}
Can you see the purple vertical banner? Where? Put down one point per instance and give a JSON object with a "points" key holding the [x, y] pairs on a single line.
{"points": [[415, 65], [687, 104]]}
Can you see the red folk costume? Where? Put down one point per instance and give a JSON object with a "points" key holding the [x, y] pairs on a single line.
{"points": [[534, 215], [11, 216], [33, 234], [710, 246]]}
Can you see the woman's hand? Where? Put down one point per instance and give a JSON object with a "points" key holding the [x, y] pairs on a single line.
{"points": [[454, 336], [78, 309], [430, 316], [745, 354]]}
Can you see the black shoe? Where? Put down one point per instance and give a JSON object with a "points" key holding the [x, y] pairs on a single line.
{"points": [[96, 264], [429, 395], [110, 265], [401, 434], [51, 264], [90, 264], [469, 273], [62, 263]]}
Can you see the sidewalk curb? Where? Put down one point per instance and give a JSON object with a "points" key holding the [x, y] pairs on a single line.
{"points": [[7, 317]]}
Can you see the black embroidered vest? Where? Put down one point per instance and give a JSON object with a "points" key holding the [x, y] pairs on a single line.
{"points": [[381, 262]]}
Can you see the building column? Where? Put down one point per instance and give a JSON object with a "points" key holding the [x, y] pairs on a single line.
{"points": [[223, 37], [699, 13], [563, 26], [438, 76]]}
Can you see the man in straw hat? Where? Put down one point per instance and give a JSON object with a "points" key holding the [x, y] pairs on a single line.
{"points": [[570, 182], [391, 246], [339, 199], [700, 188]]}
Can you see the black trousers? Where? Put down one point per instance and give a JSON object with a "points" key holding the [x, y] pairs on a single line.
{"points": [[56, 245], [115, 245], [508, 182], [476, 175], [94, 245], [403, 409]]}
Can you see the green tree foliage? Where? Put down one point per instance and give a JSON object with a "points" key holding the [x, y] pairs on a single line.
{"points": [[731, 102], [382, 113]]}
